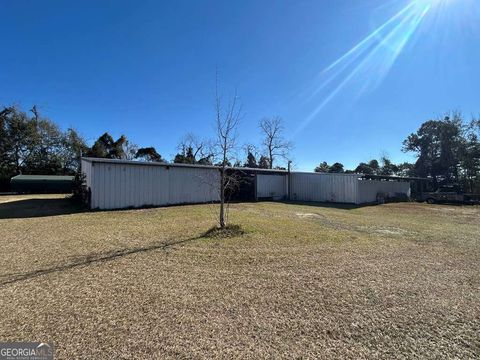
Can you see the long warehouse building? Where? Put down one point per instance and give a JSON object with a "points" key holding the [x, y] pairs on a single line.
{"points": [[120, 184]]}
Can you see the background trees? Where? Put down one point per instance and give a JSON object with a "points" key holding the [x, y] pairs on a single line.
{"points": [[36, 145], [32, 144], [193, 150], [447, 149], [274, 142], [148, 154]]}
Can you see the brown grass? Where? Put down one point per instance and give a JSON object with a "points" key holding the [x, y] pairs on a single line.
{"points": [[390, 281]]}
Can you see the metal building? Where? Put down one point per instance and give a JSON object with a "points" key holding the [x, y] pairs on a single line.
{"points": [[324, 187], [116, 184], [42, 183]]}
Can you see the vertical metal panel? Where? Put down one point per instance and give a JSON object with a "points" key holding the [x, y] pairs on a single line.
{"points": [[126, 185], [123, 185], [368, 189], [322, 187], [274, 186]]}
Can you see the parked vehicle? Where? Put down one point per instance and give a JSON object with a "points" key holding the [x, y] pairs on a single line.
{"points": [[450, 194]]}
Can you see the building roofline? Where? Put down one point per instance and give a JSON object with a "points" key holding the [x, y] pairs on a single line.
{"points": [[326, 173], [246, 169], [145, 163], [42, 177], [390, 177]]}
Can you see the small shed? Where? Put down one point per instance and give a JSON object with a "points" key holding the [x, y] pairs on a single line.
{"points": [[42, 183]]}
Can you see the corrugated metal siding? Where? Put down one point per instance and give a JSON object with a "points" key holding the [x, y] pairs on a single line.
{"points": [[323, 187], [368, 189], [121, 184], [274, 186], [117, 186]]}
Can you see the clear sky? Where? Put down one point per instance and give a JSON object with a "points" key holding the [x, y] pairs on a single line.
{"points": [[350, 78]]}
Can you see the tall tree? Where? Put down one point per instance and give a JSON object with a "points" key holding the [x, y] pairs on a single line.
{"points": [[264, 162], [275, 145], [46, 155], [336, 168], [75, 146], [36, 145], [470, 158], [130, 150], [251, 161], [323, 167], [226, 124], [148, 154], [388, 167], [193, 150], [438, 146], [107, 147], [185, 157], [364, 168], [20, 139], [251, 152]]}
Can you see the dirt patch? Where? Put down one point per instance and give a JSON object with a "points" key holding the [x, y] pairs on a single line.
{"points": [[391, 231], [309, 216], [229, 231]]}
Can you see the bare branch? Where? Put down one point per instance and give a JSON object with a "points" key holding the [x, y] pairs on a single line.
{"points": [[274, 143], [226, 122]]}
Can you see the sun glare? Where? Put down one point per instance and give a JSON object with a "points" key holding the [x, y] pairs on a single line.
{"points": [[363, 67]]}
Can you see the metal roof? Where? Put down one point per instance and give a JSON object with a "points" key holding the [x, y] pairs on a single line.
{"points": [[131, 162], [246, 169], [392, 178], [42, 178]]}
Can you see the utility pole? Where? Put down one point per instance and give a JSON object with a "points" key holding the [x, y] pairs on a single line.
{"points": [[288, 179]]}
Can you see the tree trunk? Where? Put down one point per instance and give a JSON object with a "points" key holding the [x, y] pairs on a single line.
{"points": [[222, 197]]}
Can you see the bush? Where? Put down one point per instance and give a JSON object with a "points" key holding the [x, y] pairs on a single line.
{"points": [[81, 193]]}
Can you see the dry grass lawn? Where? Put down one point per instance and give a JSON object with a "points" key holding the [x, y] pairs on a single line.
{"points": [[390, 281]]}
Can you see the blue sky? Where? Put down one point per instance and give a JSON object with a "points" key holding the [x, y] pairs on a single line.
{"points": [[146, 69]]}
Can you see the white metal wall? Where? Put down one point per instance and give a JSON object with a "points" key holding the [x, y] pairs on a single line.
{"points": [[368, 189], [123, 185], [324, 187], [274, 186], [116, 185]]}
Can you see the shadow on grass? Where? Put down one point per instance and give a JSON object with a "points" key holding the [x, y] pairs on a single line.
{"points": [[78, 261], [90, 259], [341, 206], [30, 208]]}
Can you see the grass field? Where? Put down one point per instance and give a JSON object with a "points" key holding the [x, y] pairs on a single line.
{"points": [[390, 281]]}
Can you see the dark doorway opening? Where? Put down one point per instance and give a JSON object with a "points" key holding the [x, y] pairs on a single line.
{"points": [[243, 188]]}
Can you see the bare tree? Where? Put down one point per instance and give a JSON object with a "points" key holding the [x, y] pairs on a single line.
{"points": [[201, 149], [226, 124], [129, 150], [275, 144], [35, 113]]}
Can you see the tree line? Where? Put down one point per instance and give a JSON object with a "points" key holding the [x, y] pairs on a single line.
{"points": [[447, 151], [33, 144]]}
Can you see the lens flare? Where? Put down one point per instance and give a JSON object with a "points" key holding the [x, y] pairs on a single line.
{"points": [[365, 65]]}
